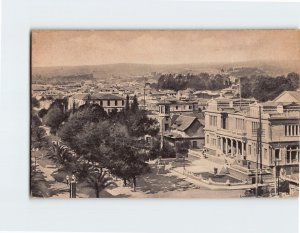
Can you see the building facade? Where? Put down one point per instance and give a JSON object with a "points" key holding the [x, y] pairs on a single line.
{"points": [[231, 132], [109, 102], [186, 128], [168, 108]]}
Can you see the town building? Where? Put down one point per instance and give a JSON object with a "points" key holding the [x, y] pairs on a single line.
{"points": [[109, 102], [231, 132], [77, 100], [288, 97], [186, 128], [167, 108]]}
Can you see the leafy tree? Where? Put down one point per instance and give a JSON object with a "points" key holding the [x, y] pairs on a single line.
{"points": [[201, 81], [154, 152], [89, 141], [84, 114], [38, 134], [38, 185], [295, 79], [134, 105], [54, 118], [127, 162], [38, 139], [35, 121], [42, 113], [182, 147], [167, 151], [35, 103], [127, 105], [99, 180], [113, 142], [264, 88], [139, 124]]}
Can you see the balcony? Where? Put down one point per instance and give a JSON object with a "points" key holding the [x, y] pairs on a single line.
{"points": [[232, 133]]}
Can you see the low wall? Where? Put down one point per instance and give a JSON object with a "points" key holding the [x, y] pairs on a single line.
{"points": [[248, 176], [209, 181]]}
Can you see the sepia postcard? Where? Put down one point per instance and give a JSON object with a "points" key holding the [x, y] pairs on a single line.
{"points": [[165, 113]]}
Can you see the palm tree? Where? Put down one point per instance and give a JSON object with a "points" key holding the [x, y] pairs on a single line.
{"points": [[61, 153], [99, 180]]}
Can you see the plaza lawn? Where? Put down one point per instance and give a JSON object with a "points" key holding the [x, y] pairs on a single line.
{"points": [[169, 185]]}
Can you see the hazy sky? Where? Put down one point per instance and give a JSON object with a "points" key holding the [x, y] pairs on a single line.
{"points": [[68, 48]]}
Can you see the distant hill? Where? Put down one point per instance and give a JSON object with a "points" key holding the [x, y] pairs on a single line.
{"points": [[131, 71], [61, 79]]}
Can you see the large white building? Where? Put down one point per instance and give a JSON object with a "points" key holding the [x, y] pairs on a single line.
{"points": [[231, 132]]}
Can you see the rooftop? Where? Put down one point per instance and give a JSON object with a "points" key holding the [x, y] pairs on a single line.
{"points": [[80, 96], [99, 96], [294, 94], [183, 122]]}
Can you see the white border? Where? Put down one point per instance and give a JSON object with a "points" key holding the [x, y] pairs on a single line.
{"points": [[17, 212]]}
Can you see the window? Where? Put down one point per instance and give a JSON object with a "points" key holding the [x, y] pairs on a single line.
{"points": [[224, 121], [249, 149], [277, 154], [214, 142], [101, 103], [116, 102], [239, 123], [292, 130], [292, 154], [190, 107], [255, 126], [122, 102], [108, 102], [176, 107], [166, 126], [213, 120], [254, 148], [265, 153]]}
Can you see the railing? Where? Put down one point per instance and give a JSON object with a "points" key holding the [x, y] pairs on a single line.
{"points": [[249, 171], [233, 132]]}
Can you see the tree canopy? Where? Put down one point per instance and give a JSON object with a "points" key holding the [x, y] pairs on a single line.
{"points": [[113, 141], [54, 118], [201, 81], [264, 88]]}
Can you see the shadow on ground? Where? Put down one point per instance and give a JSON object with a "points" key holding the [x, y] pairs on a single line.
{"points": [[153, 183]]}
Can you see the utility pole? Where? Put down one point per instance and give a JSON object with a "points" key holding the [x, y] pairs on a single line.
{"points": [[144, 97], [240, 89], [256, 174], [275, 176], [260, 143], [162, 133], [258, 151]]}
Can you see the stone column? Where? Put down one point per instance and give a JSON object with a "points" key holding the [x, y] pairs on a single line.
{"points": [[231, 140], [221, 144], [226, 146], [243, 149]]}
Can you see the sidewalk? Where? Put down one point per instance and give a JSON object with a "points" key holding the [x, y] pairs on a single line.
{"points": [[58, 189]]}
